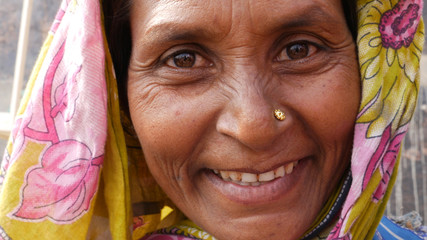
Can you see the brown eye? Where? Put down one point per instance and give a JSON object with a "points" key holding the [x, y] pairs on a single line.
{"points": [[184, 60], [297, 51], [187, 59]]}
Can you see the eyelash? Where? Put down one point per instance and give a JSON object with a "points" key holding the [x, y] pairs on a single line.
{"points": [[203, 66], [197, 58], [312, 48], [199, 53]]}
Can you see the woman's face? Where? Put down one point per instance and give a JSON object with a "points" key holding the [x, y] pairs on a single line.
{"points": [[204, 80]]}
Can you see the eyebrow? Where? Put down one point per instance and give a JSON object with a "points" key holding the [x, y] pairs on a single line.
{"points": [[168, 31], [312, 15]]}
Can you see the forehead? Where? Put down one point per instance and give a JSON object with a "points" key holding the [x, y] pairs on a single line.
{"points": [[220, 17]]}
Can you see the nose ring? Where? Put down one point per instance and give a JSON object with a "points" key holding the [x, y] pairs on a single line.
{"points": [[279, 115]]}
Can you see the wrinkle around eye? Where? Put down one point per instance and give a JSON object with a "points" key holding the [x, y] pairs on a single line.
{"points": [[315, 63], [168, 72], [314, 52], [159, 72]]}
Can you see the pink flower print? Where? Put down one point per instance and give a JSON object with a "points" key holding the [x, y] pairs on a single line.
{"points": [[59, 15], [399, 25], [19, 135], [18, 140], [387, 165], [63, 186], [335, 233], [66, 95], [387, 151]]}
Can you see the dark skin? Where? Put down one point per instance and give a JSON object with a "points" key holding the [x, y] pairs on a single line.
{"points": [[204, 78]]}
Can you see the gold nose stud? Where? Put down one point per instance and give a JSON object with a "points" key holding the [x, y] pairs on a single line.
{"points": [[279, 115]]}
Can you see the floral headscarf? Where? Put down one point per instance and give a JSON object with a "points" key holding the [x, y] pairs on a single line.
{"points": [[390, 41], [65, 170]]}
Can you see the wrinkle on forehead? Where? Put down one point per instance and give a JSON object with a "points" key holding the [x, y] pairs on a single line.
{"points": [[214, 20], [156, 17]]}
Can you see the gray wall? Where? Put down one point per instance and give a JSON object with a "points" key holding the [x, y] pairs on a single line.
{"points": [[42, 15]]}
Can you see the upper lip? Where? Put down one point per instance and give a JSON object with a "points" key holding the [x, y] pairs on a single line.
{"points": [[258, 170]]}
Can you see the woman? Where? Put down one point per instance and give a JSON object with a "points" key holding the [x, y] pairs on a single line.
{"points": [[247, 119]]}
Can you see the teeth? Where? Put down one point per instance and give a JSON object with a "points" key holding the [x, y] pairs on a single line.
{"points": [[246, 179], [235, 176], [225, 175], [265, 177], [242, 183], [280, 172], [249, 177], [289, 168]]}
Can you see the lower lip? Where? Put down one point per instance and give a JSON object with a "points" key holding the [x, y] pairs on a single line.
{"points": [[265, 193]]}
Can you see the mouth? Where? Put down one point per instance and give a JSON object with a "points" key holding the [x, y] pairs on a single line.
{"points": [[252, 188], [253, 179]]}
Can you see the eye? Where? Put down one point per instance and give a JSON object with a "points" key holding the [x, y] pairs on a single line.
{"points": [[184, 60], [296, 51], [187, 59]]}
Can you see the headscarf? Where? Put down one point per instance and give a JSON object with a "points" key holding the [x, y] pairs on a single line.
{"points": [[66, 174]]}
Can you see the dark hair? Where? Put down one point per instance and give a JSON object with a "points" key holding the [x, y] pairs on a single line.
{"points": [[350, 14], [117, 29]]}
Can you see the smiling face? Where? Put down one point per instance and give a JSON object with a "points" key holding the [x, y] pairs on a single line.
{"points": [[204, 80]]}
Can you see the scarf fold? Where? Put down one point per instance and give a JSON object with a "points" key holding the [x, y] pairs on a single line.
{"points": [[65, 172]]}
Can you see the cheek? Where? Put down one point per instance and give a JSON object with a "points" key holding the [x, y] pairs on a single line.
{"points": [[331, 107], [169, 126], [151, 121], [163, 143]]}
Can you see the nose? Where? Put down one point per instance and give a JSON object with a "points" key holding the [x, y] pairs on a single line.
{"points": [[249, 117]]}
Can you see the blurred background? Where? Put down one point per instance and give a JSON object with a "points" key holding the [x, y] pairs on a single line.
{"points": [[410, 191]]}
